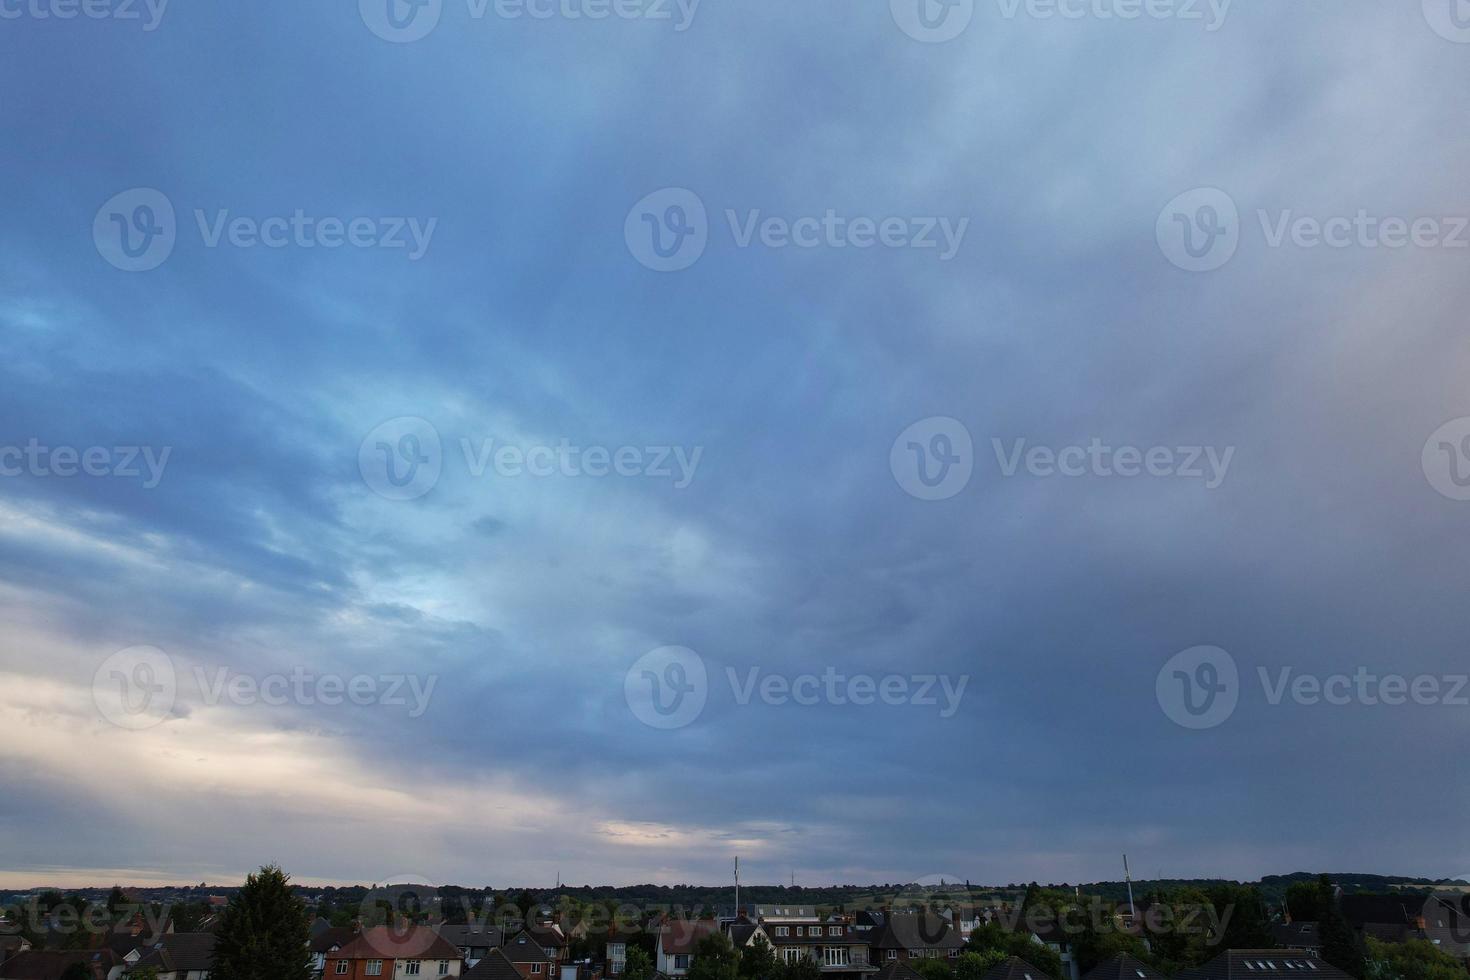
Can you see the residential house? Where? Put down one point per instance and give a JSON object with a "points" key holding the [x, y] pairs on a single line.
{"points": [[904, 936], [1265, 964], [474, 940], [493, 966], [676, 941], [618, 942], [178, 956], [51, 964], [327, 940], [897, 971], [394, 953], [840, 950], [529, 958], [743, 933]]}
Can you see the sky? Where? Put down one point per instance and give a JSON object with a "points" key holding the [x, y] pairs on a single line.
{"points": [[485, 444]]}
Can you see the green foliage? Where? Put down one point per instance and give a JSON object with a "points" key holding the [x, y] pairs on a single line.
{"points": [[715, 958], [933, 969], [638, 965], [758, 960], [262, 934], [1242, 913], [970, 965], [1413, 960], [803, 968], [995, 943]]}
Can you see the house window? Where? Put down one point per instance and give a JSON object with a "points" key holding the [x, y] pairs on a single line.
{"points": [[374, 968], [835, 956], [341, 967], [411, 968], [782, 931], [444, 968], [834, 930], [681, 961], [798, 930], [535, 967], [893, 954]]}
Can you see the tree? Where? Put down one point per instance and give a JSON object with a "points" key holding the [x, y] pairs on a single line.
{"points": [[758, 960], [970, 965], [1241, 909], [262, 934], [77, 971], [1413, 960], [715, 959], [638, 965], [1339, 947], [1304, 901], [801, 968], [933, 969]]}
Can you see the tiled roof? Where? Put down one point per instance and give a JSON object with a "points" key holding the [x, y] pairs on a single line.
{"points": [[50, 964], [493, 967], [397, 943], [897, 971], [180, 951], [524, 949], [681, 935], [915, 931], [324, 940], [472, 934], [1123, 967], [1015, 968], [1264, 964]]}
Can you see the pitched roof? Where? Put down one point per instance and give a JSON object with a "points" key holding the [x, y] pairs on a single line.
{"points": [[1397, 909], [324, 940], [1123, 967], [397, 943], [466, 935], [1297, 935], [180, 951], [915, 931], [897, 970], [1015, 968], [50, 964], [493, 967], [524, 949], [1264, 964], [741, 933], [681, 935]]}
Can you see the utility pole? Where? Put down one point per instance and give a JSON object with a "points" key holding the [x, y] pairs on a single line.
{"points": [[737, 886]]}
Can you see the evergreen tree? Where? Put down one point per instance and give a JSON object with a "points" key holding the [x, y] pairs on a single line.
{"points": [[758, 960], [262, 934], [638, 965], [1339, 946]]}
